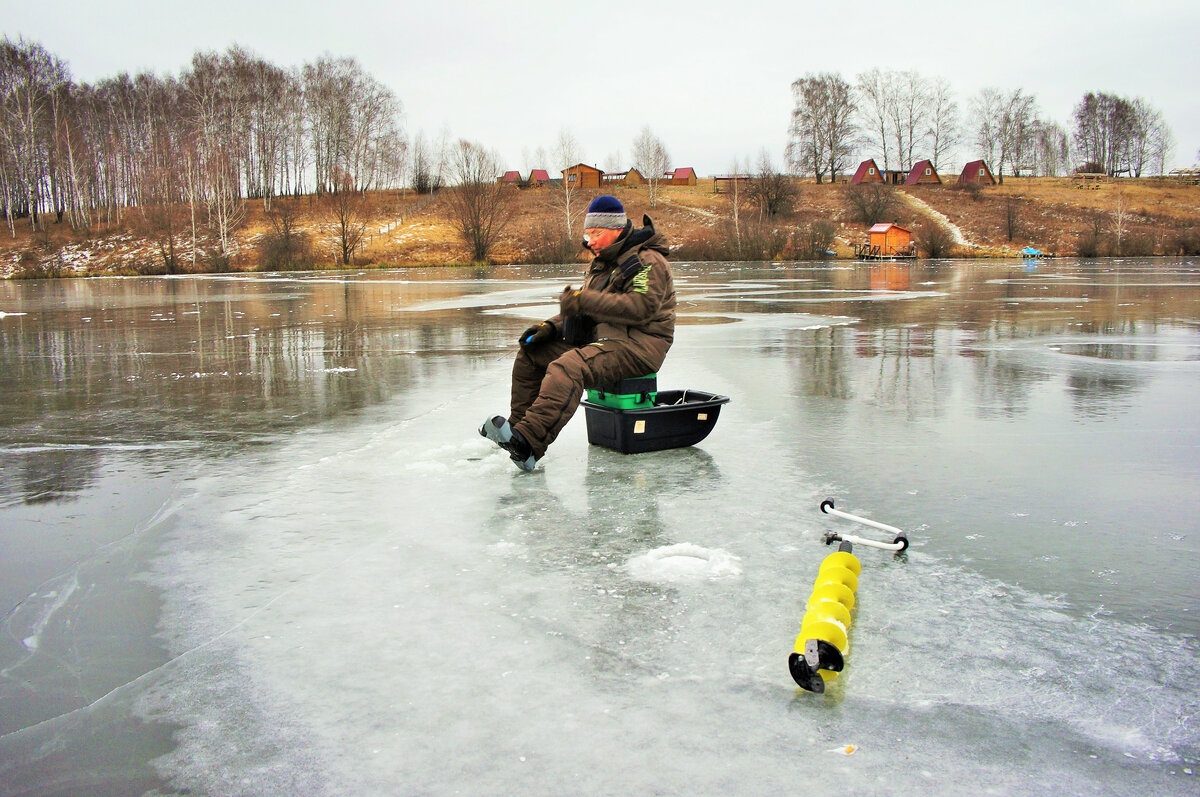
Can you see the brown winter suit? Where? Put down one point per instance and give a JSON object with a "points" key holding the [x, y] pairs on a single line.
{"points": [[629, 294]]}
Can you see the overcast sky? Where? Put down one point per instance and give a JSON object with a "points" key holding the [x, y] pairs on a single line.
{"points": [[712, 80]]}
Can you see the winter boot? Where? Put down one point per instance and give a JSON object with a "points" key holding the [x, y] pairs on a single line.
{"points": [[500, 432]]}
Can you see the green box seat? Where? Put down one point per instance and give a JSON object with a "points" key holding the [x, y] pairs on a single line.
{"points": [[633, 393]]}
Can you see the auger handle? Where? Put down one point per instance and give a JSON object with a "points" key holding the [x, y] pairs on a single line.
{"points": [[898, 543]]}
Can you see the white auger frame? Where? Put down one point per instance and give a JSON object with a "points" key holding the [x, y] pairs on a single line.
{"points": [[899, 540]]}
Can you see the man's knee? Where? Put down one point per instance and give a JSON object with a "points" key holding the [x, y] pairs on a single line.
{"points": [[525, 368], [571, 366]]}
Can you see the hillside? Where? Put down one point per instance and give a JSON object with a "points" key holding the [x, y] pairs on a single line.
{"points": [[1131, 217]]}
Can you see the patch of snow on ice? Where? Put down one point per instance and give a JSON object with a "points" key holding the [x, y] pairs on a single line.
{"points": [[684, 562]]}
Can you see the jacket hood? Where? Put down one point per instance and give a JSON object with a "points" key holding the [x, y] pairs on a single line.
{"points": [[633, 239]]}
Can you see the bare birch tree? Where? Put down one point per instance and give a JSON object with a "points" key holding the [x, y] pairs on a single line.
{"points": [[232, 126], [942, 131], [1121, 136], [566, 153], [1005, 127], [1162, 145], [907, 110], [735, 200], [425, 166], [1019, 126], [355, 124], [898, 111], [823, 133], [875, 89], [1051, 150], [1145, 137], [650, 157]]}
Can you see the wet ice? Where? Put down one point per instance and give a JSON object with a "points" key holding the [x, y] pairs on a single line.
{"points": [[378, 602]]}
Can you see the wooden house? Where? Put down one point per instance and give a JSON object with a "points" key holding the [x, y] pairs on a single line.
{"points": [[510, 178], [582, 176], [978, 173], [631, 177], [538, 177], [685, 175], [867, 172], [888, 240], [923, 172]]}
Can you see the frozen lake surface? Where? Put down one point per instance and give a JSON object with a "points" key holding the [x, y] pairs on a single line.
{"points": [[251, 542]]}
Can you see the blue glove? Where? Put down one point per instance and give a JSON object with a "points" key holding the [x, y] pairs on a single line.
{"points": [[536, 334]]}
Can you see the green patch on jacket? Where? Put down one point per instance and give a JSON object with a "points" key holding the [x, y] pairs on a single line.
{"points": [[640, 281]]}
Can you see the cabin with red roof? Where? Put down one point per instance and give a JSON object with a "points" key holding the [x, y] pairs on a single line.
{"points": [[867, 172], [684, 175], [510, 178], [582, 176], [923, 172], [538, 177], [978, 173]]}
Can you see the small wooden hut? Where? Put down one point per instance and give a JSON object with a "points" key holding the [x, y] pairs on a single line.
{"points": [[977, 173], [889, 240], [923, 172], [510, 178], [867, 172], [538, 177], [582, 176], [631, 177]]}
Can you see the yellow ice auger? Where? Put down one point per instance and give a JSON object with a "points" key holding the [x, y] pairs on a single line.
{"points": [[824, 641]]}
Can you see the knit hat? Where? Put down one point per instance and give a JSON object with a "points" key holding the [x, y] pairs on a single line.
{"points": [[606, 213]]}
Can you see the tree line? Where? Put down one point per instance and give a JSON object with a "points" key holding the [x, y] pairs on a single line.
{"points": [[230, 127], [186, 152], [903, 117]]}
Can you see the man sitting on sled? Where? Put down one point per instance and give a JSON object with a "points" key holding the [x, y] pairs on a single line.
{"points": [[619, 325]]}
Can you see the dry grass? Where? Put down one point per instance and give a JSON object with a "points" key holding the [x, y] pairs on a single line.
{"points": [[405, 229]]}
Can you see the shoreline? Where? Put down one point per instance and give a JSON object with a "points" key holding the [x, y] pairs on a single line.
{"points": [[399, 229]]}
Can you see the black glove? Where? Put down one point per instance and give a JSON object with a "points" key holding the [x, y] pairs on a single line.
{"points": [[568, 301], [536, 334]]}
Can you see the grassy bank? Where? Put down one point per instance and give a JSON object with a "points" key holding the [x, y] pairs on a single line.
{"points": [[1119, 217]]}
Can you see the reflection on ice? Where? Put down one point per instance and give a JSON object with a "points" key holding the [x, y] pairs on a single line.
{"points": [[360, 595], [1132, 352]]}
